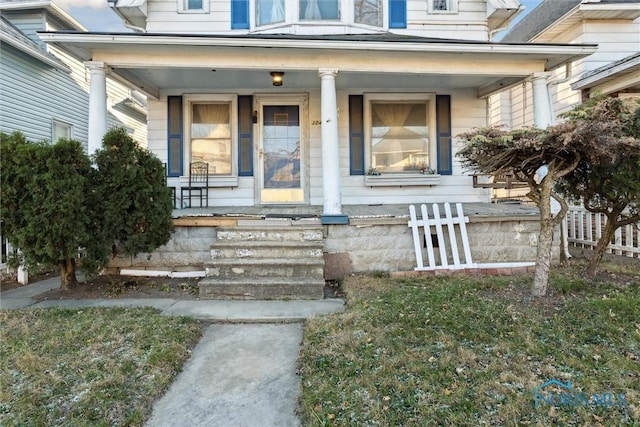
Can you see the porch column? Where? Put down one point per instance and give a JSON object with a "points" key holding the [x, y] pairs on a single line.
{"points": [[97, 104], [330, 146], [542, 110]]}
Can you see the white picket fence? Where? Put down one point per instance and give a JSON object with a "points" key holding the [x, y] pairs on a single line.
{"points": [[450, 233], [585, 228]]}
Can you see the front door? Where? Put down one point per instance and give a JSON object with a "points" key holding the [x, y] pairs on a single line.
{"points": [[281, 152]]}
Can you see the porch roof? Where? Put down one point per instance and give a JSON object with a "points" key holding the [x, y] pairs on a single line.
{"points": [[154, 62]]}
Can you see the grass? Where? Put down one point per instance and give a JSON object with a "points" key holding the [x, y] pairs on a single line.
{"points": [[88, 367], [469, 351]]}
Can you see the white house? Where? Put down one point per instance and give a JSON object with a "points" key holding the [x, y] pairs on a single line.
{"points": [[613, 69], [45, 89], [333, 114], [378, 86]]}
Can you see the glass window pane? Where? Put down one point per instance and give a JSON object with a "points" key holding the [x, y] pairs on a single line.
{"points": [[440, 4], [319, 9], [211, 136], [194, 4], [368, 12], [399, 137], [60, 130], [269, 12]]}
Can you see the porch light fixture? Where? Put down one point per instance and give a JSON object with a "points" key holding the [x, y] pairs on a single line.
{"points": [[277, 77]]}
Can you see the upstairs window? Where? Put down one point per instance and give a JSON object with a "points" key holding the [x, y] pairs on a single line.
{"points": [[270, 12], [193, 6], [368, 12], [443, 6], [319, 10]]}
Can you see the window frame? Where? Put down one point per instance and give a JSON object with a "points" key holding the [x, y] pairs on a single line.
{"points": [[61, 123], [428, 98], [346, 9], [183, 7], [452, 9], [232, 100]]}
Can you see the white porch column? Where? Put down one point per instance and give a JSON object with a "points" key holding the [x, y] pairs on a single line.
{"points": [[330, 146], [542, 110], [97, 104]]}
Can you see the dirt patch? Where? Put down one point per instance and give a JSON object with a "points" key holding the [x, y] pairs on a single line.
{"points": [[128, 287]]}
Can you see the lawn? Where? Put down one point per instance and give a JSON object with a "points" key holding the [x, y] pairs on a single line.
{"points": [[88, 367], [472, 351]]}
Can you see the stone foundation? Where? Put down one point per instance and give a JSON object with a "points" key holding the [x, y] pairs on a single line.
{"points": [[364, 245]]}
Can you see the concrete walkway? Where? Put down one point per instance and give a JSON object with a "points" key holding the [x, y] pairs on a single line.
{"points": [[243, 370]]}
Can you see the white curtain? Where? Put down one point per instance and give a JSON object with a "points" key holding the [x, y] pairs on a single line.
{"points": [[277, 11], [312, 11], [210, 121], [393, 116]]}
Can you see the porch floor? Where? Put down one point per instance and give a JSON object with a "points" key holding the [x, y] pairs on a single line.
{"points": [[511, 209]]}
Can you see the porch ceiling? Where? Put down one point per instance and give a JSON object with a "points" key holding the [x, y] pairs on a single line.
{"points": [[159, 63]]}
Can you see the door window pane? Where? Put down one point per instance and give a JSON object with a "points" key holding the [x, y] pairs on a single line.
{"points": [[368, 12], [281, 147], [319, 9], [211, 136], [269, 12], [399, 137]]}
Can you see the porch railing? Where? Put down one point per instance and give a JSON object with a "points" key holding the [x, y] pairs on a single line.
{"points": [[584, 229]]}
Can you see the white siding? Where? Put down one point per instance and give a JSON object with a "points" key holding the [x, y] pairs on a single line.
{"points": [[616, 39], [469, 23], [34, 94]]}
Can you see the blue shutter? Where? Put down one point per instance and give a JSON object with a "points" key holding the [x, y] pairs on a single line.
{"points": [[245, 135], [174, 135], [443, 129], [356, 135], [239, 14], [397, 13]]}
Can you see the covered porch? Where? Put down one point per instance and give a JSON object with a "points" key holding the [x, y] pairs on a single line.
{"points": [[331, 85]]}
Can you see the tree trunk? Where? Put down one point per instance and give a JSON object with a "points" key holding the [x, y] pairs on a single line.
{"points": [[68, 274], [543, 258], [607, 234]]}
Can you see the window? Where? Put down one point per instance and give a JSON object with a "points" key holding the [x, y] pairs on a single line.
{"points": [[193, 6], [399, 133], [60, 130], [319, 9], [368, 12], [269, 12], [443, 6], [210, 137]]}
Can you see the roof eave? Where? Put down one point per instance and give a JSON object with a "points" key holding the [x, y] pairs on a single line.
{"points": [[35, 53]]}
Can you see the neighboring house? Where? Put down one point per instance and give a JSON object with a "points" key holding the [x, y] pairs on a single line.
{"points": [[613, 69], [45, 89], [316, 102]]}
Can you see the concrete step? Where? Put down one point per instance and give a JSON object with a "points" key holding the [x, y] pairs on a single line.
{"points": [[267, 249], [263, 288], [276, 234], [267, 267]]}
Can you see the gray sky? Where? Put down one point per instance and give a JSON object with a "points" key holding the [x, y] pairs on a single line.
{"points": [[97, 16]]}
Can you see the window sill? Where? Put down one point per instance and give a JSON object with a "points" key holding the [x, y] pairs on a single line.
{"points": [[401, 180]]}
